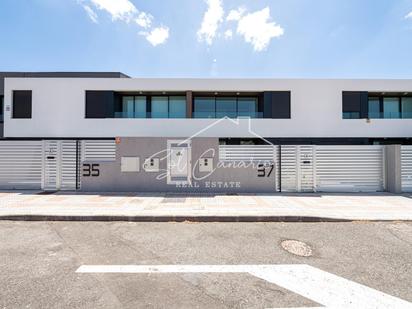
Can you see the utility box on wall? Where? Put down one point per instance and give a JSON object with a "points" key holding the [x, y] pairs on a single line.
{"points": [[130, 164], [151, 165], [205, 165]]}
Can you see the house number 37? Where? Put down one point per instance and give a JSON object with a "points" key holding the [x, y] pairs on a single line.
{"points": [[265, 170]]}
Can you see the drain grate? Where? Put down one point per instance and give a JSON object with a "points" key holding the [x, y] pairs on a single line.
{"points": [[297, 247]]}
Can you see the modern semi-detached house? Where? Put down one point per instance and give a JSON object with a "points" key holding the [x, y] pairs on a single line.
{"points": [[109, 132]]}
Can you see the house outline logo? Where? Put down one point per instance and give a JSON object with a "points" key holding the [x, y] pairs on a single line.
{"points": [[236, 121]]}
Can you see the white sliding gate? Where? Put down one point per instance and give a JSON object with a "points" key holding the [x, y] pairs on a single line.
{"points": [[21, 164], [406, 155], [333, 168], [350, 168]]}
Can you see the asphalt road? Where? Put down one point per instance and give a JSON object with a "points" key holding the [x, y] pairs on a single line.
{"points": [[38, 262]]}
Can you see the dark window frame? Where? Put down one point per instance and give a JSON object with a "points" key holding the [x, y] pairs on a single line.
{"points": [[134, 106], [22, 114], [355, 105], [215, 97], [149, 100], [1, 108], [381, 103]]}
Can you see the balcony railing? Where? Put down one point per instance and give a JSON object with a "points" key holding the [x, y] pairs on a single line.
{"points": [[198, 115], [234, 115], [390, 115]]}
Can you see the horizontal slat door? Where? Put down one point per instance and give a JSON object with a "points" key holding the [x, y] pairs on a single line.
{"points": [[406, 168], [21, 164], [350, 168]]}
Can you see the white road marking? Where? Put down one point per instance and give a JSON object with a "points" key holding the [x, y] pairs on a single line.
{"points": [[319, 286]]}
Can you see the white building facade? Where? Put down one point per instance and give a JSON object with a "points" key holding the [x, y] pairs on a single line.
{"points": [[114, 133]]}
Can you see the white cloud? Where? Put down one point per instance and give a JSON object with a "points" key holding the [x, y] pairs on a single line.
{"points": [[235, 14], [92, 14], [118, 9], [228, 34], [211, 21], [144, 20], [258, 29], [409, 16], [125, 11], [157, 36]]}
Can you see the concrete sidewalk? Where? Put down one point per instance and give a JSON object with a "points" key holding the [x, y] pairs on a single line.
{"points": [[25, 205]]}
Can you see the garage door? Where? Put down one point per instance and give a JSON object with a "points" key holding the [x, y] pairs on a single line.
{"points": [[350, 168], [21, 164], [407, 168]]}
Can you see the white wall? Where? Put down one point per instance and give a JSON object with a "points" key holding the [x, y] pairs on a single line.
{"points": [[59, 109]]}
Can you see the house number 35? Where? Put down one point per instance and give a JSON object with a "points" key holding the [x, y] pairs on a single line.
{"points": [[91, 170]]}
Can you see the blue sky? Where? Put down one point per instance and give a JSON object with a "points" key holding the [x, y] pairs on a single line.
{"points": [[210, 38]]}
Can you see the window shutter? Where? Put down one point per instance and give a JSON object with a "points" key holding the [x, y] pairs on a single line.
{"points": [[22, 104], [100, 104], [355, 102], [277, 104]]}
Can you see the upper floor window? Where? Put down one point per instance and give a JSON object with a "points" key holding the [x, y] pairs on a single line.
{"points": [[132, 107], [362, 105], [219, 107], [22, 104], [1, 108], [390, 107], [406, 107], [374, 109], [177, 107], [152, 107], [168, 107]]}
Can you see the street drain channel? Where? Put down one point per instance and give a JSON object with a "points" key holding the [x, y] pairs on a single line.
{"points": [[297, 247]]}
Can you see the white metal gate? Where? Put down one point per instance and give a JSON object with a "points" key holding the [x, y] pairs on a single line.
{"points": [[60, 165], [406, 155], [297, 168], [21, 164], [350, 168], [51, 155]]}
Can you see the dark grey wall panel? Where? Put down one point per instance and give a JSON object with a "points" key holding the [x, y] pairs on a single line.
{"points": [[267, 104], [100, 104], [364, 108], [22, 104], [355, 101], [277, 104]]}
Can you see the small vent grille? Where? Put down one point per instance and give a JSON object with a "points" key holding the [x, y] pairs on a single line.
{"points": [[99, 150], [249, 153]]}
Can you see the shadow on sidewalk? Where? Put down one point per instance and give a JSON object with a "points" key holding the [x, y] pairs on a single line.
{"points": [[203, 194]]}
